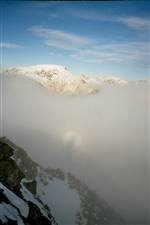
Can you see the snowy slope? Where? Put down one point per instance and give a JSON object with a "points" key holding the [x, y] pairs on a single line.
{"points": [[18, 205], [33, 194], [63, 194], [20, 210], [57, 78], [14, 208], [8, 212], [16, 201], [70, 201]]}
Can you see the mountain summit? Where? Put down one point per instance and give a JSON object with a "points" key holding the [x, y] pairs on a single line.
{"points": [[58, 79]]}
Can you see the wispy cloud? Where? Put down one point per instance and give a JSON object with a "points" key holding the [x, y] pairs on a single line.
{"points": [[129, 52], [92, 51], [59, 38], [54, 15], [133, 22], [9, 45]]}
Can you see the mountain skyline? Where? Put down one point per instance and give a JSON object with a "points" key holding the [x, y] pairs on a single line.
{"points": [[94, 39]]}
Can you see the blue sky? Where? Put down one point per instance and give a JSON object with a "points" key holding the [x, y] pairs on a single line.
{"points": [[93, 38]]}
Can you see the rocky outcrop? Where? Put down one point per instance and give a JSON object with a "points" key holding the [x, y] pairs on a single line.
{"points": [[10, 174], [10, 189]]}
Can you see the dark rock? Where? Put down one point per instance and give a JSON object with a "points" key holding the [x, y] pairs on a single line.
{"points": [[3, 198], [35, 217], [5, 151], [31, 186], [11, 176], [10, 222]]}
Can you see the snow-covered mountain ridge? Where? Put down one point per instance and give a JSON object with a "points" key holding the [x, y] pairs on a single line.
{"points": [[30, 194], [57, 78]]}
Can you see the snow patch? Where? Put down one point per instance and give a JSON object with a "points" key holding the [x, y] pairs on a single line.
{"points": [[63, 194], [16, 201], [28, 196], [9, 212]]}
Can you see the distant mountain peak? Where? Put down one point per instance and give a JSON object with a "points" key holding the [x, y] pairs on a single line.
{"points": [[58, 79]]}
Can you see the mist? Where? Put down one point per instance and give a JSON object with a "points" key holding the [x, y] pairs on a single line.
{"points": [[101, 138]]}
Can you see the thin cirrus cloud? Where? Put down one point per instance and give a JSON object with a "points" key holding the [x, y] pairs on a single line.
{"points": [[91, 50], [131, 52], [133, 22], [9, 45], [59, 38]]}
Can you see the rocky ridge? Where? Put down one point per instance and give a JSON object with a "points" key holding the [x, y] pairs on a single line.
{"points": [[15, 207], [42, 191]]}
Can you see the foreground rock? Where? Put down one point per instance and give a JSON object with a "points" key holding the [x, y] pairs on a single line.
{"points": [[15, 207]]}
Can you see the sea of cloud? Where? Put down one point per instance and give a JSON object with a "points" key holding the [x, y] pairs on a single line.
{"points": [[101, 138]]}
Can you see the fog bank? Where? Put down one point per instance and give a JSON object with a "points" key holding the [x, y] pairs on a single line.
{"points": [[101, 138]]}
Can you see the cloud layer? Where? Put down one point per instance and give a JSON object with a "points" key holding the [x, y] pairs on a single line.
{"points": [[103, 138]]}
